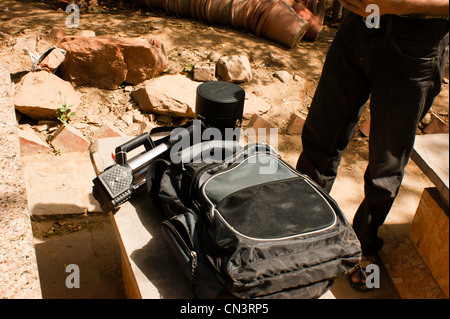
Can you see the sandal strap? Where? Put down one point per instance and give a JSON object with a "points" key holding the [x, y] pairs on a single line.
{"points": [[362, 273], [360, 270]]}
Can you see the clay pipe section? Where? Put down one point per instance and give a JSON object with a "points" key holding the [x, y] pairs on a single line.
{"points": [[286, 22]]}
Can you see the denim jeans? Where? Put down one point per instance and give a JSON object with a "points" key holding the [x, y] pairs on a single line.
{"points": [[400, 67]]}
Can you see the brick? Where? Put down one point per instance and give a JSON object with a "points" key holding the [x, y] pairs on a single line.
{"points": [[296, 123], [436, 126], [30, 143], [205, 71], [107, 130], [53, 59], [69, 139], [257, 122], [364, 128], [59, 185], [260, 130]]}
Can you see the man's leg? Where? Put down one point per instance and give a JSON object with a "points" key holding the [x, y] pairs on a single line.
{"points": [[336, 107], [405, 72]]}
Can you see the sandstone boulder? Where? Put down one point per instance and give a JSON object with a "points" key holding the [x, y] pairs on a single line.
{"points": [[283, 76], [169, 94], [204, 71], [40, 94], [85, 33], [108, 62], [234, 68], [55, 35]]}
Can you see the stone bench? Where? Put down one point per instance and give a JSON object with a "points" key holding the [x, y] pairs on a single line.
{"points": [[150, 271]]}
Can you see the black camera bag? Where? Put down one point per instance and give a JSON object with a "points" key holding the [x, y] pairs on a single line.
{"points": [[251, 226]]}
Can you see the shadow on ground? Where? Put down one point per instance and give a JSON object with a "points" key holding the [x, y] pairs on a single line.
{"points": [[86, 241]]}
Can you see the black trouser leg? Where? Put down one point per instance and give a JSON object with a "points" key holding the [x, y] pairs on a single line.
{"points": [[400, 65], [335, 110]]}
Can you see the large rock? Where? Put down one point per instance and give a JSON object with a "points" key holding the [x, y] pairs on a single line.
{"points": [[40, 94], [108, 62], [234, 68], [204, 71], [169, 94]]}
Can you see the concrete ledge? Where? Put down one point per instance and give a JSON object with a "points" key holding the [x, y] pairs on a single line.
{"points": [[18, 267], [149, 269], [430, 236], [60, 185], [431, 154]]}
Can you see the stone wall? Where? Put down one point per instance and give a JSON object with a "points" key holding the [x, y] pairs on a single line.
{"points": [[18, 268]]}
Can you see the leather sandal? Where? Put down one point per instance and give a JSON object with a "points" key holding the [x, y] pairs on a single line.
{"points": [[360, 271], [361, 284]]}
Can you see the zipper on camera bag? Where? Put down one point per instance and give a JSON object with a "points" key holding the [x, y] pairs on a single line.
{"points": [[190, 253]]}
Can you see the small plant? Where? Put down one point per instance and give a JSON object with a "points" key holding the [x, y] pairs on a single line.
{"points": [[63, 114], [56, 151], [189, 69]]}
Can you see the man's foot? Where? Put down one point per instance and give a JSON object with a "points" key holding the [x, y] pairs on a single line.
{"points": [[357, 276]]}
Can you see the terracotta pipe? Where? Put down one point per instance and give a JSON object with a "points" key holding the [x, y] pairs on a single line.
{"points": [[266, 13], [160, 4], [195, 9], [284, 25], [274, 19], [314, 24], [291, 2], [238, 11], [213, 11], [317, 7], [183, 8], [259, 11], [250, 8]]}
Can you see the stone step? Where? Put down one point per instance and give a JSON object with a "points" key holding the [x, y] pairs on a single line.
{"points": [[60, 184]]}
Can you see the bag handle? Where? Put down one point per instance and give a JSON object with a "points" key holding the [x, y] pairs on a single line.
{"points": [[122, 150]]}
